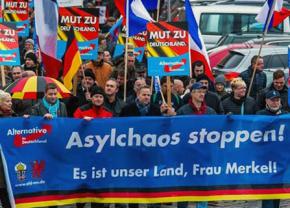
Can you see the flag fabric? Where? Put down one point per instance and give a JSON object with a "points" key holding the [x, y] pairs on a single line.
{"points": [[46, 21], [135, 14], [115, 30], [278, 17], [71, 59], [266, 12], [136, 17], [150, 5], [197, 48]]}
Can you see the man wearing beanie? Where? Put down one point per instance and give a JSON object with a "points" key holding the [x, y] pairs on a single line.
{"points": [[31, 62], [28, 46], [95, 108]]}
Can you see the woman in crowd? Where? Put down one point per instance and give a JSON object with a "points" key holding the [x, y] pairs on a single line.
{"points": [[5, 111]]}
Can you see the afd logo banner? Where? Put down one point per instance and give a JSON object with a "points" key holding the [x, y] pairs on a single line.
{"points": [[168, 49], [192, 158], [85, 22], [16, 11], [9, 49]]}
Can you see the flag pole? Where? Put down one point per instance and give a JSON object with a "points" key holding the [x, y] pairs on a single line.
{"points": [[126, 69], [162, 96], [168, 80], [3, 76], [152, 78], [261, 46], [126, 50]]}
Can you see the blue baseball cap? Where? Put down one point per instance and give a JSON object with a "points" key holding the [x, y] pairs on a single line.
{"points": [[272, 94], [196, 86]]}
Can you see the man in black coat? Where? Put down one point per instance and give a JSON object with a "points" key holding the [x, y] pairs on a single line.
{"points": [[278, 84], [273, 104], [211, 99], [273, 108], [141, 106]]}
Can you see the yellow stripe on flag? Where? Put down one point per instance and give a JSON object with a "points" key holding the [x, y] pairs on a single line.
{"points": [[76, 63], [154, 200]]}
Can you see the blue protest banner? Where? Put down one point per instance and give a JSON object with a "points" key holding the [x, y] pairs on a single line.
{"points": [[146, 160]]}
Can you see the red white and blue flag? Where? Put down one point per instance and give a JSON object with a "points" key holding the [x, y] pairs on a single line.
{"points": [[197, 47], [46, 21], [270, 11], [135, 14]]}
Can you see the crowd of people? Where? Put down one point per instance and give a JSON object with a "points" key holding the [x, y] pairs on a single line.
{"points": [[101, 84]]}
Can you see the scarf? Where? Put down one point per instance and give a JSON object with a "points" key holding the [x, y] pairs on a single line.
{"points": [[200, 111], [143, 109], [51, 108]]}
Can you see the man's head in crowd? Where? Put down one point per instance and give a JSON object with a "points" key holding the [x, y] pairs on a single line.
{"points": [[121, 78], [204, 80], [89, 79], [16, 72], [279, 80], [131, 59], [139, 82], [273, 100], [197, 68], [140, 71], [239, 88], [97, 96], [111, 21], [220, 83], [197, 93], [100, 57], [144, 95], [51, 93], [107, 56], [260, 63], [111, 87], [178, 87], [30, 60], [29, 44]]}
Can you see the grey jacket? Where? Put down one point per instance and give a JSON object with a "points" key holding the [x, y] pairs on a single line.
{"points": [[39, 110]]}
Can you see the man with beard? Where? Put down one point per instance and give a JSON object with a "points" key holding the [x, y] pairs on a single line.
{"points": [[273, 108]]}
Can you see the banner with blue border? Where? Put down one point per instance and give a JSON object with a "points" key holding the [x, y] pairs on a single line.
{"points": [[146, 160]]}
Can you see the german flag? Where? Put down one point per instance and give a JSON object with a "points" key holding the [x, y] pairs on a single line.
{"points": [[71, 59]]}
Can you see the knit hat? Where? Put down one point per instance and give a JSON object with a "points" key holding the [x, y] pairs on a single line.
{"points": [[31, 56], [90, 73], [97, 90], [220, 79], [29, 40]]}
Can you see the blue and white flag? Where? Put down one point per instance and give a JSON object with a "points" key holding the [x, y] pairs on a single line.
{"points": [[137, 17], [150, 5]]}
